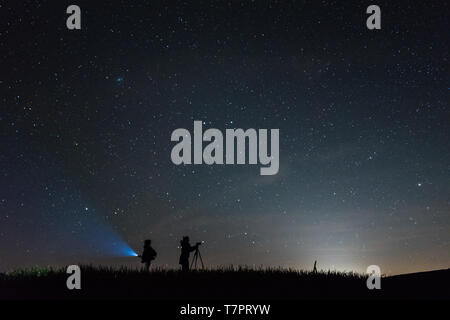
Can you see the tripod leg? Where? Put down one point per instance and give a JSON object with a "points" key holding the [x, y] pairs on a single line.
{"points": [[192, 262], [201, 260], [194, 259]]}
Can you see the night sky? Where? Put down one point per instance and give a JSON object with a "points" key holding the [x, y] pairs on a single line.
{"points": [[87, 115]]}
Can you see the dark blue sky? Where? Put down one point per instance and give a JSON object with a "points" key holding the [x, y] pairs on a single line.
{"points": [[363, 116]]}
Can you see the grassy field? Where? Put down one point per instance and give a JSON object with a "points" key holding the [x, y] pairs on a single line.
{"points": [[222, 283]]}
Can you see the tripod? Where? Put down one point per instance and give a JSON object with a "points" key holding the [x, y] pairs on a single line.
{"points": [[197, 256]]}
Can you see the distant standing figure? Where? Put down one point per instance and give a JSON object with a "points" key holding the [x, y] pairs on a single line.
{"points": [[186, 249], [315, 267], [148, 254]]}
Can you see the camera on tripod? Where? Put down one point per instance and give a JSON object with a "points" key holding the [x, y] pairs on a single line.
{"points": [[197, 257]]}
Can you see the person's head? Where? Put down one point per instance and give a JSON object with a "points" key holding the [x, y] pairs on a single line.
{"points": [[185, 239], [147, 243]]}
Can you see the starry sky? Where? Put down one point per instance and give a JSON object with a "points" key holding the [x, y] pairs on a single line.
{"points": [[86, 119]]}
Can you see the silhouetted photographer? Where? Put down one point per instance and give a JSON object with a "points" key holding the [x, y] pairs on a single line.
{"points": [[148, 254], [186, 249]]}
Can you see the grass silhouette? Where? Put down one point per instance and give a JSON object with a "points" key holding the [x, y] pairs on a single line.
{"points": [[241, 282]]}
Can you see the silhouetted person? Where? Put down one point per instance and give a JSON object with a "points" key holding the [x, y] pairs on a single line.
{"points": [[186, 249], [148, 254], [315, 267]]}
